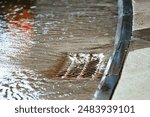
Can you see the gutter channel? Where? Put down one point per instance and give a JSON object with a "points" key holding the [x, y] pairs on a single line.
{"points": [[115, 64]]}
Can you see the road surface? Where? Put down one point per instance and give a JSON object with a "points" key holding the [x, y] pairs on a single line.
{"points": [[49, 49]]}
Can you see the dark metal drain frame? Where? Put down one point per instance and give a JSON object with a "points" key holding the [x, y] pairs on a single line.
{"points": [[115, 64]]}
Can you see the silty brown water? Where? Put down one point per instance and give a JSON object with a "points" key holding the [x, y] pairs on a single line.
{"points": [[38, 37]]}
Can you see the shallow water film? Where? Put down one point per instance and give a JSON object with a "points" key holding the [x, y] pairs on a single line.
{"points": [[54, 49]]}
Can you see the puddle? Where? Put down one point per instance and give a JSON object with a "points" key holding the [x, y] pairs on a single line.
{"points": [[53, 49]]}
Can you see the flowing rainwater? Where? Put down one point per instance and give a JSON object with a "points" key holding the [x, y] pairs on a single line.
{"points": [[43, 41]]}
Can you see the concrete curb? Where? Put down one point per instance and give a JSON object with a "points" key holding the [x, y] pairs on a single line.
{"points": [[115, 64], [135, 78]]}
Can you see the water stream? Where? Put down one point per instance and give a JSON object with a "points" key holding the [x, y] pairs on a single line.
{"points": [[36, 39]]}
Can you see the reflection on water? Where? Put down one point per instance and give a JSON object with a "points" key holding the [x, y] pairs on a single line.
{"points": [[15, 39], [36, 39]]}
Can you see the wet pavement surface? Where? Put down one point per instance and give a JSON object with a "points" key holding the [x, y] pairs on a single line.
{"points": [[140, 39], [53, 49]]}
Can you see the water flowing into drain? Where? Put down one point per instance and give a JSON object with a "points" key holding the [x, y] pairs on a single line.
{"points": [[51, 49]]}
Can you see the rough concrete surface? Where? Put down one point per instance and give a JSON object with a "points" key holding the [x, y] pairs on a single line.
{"points": [[141, 14], [134, 83]]}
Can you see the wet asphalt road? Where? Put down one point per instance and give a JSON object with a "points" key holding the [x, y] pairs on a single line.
{"points": [[37, 38]]}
